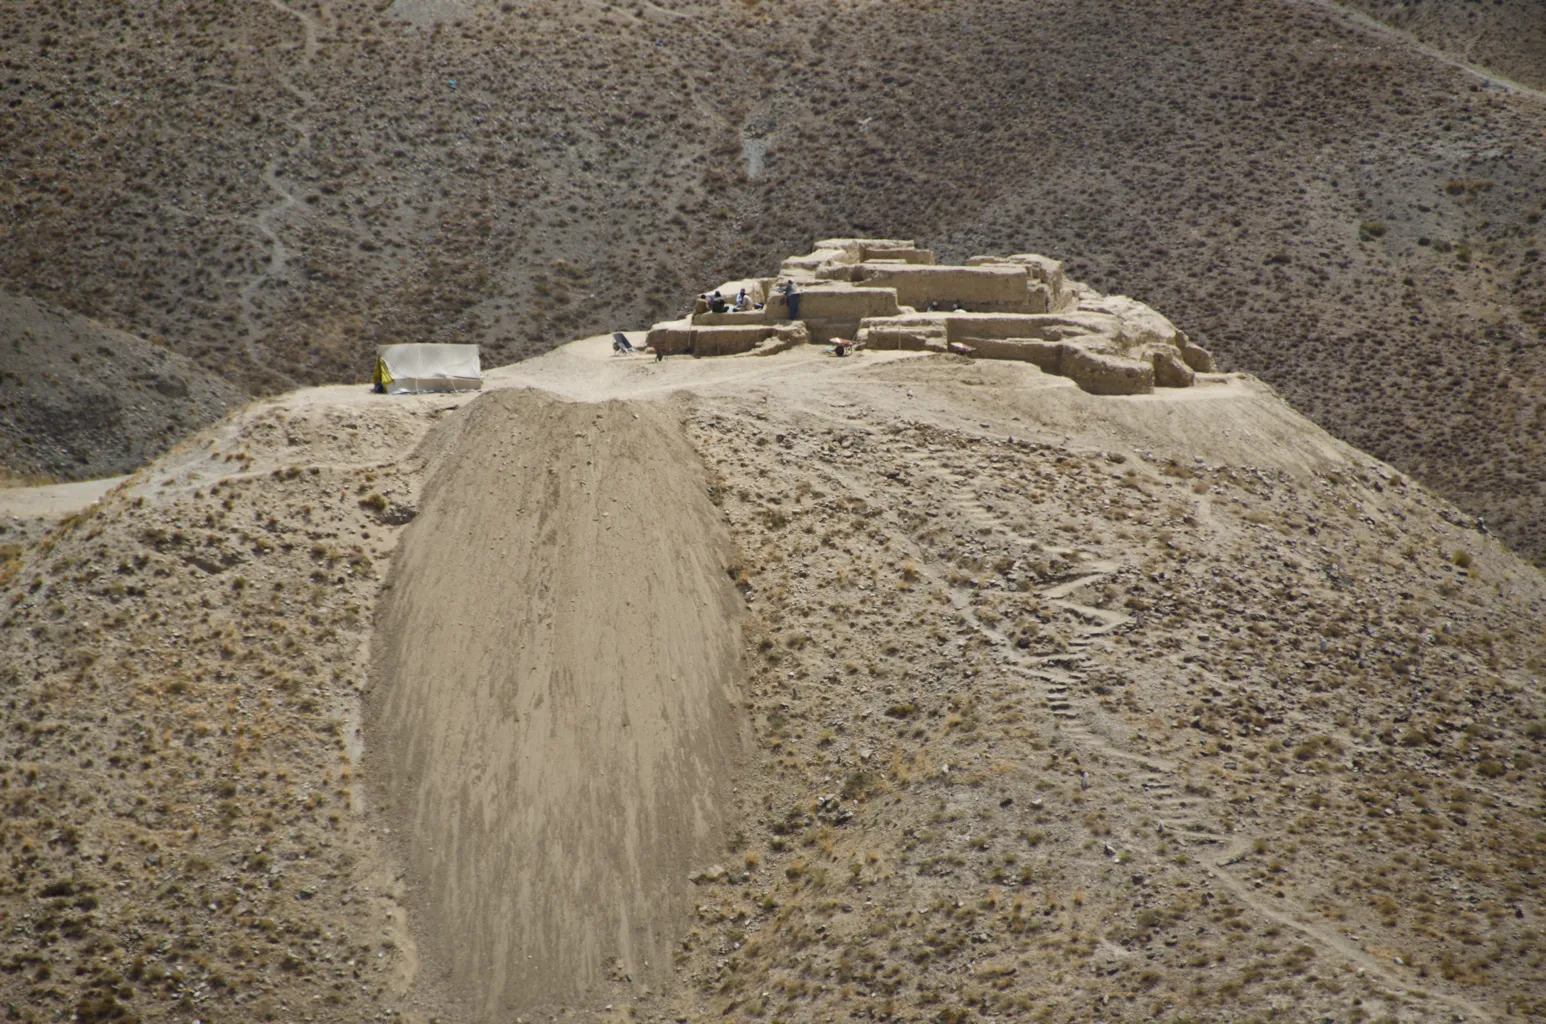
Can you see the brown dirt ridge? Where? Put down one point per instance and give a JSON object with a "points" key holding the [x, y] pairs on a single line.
{"points": [[901, 687]]}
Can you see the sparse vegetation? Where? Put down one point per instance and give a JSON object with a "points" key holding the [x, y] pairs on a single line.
{"points": [[308, 257], [968, 808], [1035, 730]]}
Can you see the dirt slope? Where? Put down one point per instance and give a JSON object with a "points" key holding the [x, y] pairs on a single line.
{"points": [[79, 399], [1105, 722], [554, 721], [1060, 707], [182, 665]]}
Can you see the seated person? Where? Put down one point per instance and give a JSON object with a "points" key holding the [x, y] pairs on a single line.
{"points": [[742, 302], [717, 303]]}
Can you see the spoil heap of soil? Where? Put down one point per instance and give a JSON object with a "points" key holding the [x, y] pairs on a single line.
{"points": [[1057, 706], [553, 723]]}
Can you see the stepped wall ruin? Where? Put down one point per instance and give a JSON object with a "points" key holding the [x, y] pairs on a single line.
{"points": [[890, 294]]}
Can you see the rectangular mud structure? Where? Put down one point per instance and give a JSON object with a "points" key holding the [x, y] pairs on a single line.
{"points": [[552, 726], [886, 293]]}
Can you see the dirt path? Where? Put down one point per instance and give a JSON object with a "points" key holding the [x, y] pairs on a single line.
{"points": [[263, 221], [1289, 915], [1062, 682], [1488, 77], [55, 501]]}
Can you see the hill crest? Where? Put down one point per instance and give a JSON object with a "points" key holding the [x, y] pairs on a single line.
{"points": [[1150, 706]]}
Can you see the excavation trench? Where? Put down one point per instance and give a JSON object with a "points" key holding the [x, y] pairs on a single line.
{"points": [[553, 720]]}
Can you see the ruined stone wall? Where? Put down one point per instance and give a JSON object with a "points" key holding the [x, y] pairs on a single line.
{"points": [[1000, 289]]}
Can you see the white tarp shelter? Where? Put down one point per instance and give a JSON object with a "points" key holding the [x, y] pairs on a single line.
{"points": [[414, 369]]}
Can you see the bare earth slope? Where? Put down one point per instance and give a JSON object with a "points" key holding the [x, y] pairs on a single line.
{"points": [[79, 399], [1316, 202], [1062, 707], [555, 723]]}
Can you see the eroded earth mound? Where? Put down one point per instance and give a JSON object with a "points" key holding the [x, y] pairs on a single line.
{"points": [[1056, 706]]}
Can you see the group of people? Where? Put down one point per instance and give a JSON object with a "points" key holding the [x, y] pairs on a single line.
{"points": [[715, 302]]}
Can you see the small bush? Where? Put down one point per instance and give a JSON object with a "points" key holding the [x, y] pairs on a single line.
{"points": [[858, 784], [1466, 186]]}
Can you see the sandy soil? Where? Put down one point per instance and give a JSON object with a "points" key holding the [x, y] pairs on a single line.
{"points": [[55, 501], [1228, 417], [555, 718]]}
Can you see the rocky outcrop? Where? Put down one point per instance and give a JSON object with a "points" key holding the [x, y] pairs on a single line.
{"points": [[924, 332], [835, 309], [1197, 357], [991, 288], [1102, 374], [1099, 373], [1123, 348], [1048, 290]]}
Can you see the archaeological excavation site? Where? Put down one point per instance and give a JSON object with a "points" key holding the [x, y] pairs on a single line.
{"points": [[800, 512], [885, 294], [911, 643]]}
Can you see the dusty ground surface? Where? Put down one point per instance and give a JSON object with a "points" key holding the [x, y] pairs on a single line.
{"points": [[1060, 707], [1350, 218], [557, 709], [52, 502]]}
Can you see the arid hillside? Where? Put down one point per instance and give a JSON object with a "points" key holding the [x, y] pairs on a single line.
{"points": [[899, 687], [272, 188], [79, 400], [1505, 36]]}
